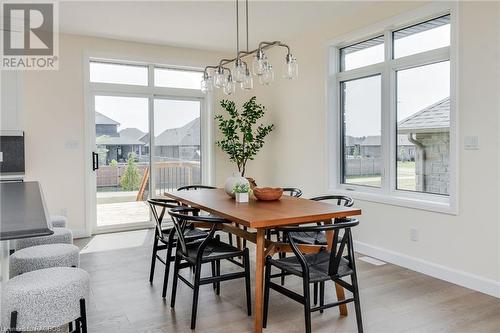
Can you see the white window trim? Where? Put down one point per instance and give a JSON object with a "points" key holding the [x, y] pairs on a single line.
{"points": [[151, 92], [388, 194]]}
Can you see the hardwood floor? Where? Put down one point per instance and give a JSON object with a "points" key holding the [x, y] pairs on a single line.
{"points": [[393, 299]]}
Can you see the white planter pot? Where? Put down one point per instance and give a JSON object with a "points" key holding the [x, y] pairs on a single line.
{"points": [[241, 197], [232, 181]]}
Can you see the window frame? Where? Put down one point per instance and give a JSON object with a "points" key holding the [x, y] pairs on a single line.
{"points": [[388, 193]]}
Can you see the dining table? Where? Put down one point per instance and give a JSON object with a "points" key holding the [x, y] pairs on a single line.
{"points": [[259, 216], [23, 214]]}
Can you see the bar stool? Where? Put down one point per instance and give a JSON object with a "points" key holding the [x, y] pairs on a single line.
{"points": [[44, 256], [46, 299], [60, 236], [58, 221]]}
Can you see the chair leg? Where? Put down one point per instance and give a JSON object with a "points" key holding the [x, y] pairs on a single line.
{"points": [[267, 280], [247, 281], [357, 305], [321, 295], [70, 327], [83, 316], [214, 274], [244, 240], [153, 259], [196, 291], [174, 282], [217, 271], [307, 305], [315, 293], [167, 270]]}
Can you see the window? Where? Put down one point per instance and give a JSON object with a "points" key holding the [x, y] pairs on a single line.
{"points": [[392, 100], [174, 78], [118, 73], [361, 110], [362, 54]]}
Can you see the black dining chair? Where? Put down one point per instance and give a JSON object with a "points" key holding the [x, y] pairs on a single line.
{"points": [[164, 237], [326, 265], [195, 187], [207, 250]]}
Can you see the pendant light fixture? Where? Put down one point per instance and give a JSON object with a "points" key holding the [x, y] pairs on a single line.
{"points": [[222, 76]]}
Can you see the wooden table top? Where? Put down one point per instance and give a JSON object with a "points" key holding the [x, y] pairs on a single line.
{"points": [[262, 214]]}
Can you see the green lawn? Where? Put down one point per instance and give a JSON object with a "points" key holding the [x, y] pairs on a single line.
{"points": [[406, 178]]}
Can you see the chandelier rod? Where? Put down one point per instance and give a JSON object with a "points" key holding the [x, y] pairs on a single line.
{"points": [[237, 28], [246, 11]]}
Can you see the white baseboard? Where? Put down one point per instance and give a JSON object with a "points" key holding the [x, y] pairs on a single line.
{"points": [[464, 279]]}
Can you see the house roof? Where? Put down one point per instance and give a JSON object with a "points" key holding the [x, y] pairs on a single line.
{"points": [[374, 140], [434, 118], [132, 132], [117, 141], [101, 119], [187, 135]]}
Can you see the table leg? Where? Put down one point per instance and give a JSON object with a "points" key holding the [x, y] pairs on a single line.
{"points": [[259, 280], [4, 259]]}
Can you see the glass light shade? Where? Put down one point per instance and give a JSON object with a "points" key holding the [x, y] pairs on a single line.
{"points": [[207, 84], [239, 71], [219, 78], [267, 77], [259, 64], [291, 68], [229, 86], [247, 82]]}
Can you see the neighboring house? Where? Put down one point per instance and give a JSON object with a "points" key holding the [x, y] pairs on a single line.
{"points": [[173, 144], [429, 131], [369, 147], [117, 145], [181, 143]]}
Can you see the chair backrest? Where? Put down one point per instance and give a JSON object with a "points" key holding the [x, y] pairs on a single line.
{"points": [[342, 200], [340, 243], [195, 187], [292, 191], [183, 216], [161, 206]]}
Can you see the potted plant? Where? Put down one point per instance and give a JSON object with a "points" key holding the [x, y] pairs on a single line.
{"points": [[241, 191], [242, 138]]}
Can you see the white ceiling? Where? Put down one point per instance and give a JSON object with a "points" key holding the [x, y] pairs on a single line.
{"points": [[197, 24]]}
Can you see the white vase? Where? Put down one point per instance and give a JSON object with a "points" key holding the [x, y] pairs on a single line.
{"points": [[232, 181], [242, 197]]}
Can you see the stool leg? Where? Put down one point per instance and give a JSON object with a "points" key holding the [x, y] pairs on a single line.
{"points": [[70, 327], [83, 315], [13, 322]]}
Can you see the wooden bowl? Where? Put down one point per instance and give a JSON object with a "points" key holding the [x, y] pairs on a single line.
{"points": [[267, 193]]}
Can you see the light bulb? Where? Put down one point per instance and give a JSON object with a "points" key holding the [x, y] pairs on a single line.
{"points": [[290, 67], [229, 86], [267, 77], [239, 70], [247, 81], [220, 77], [207, 84], [259, 63]]}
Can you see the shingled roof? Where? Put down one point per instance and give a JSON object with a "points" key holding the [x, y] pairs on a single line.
{"points": [[101, 119], [434, 118]]}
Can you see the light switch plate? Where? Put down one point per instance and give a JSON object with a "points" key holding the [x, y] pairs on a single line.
{"points": [[1, 156], [471, 143]]}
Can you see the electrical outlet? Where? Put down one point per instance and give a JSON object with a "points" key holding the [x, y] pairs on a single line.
{"points": [[414, 234], [471, 143]]}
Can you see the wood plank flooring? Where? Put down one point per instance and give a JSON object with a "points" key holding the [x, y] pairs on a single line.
{"points": [[393, 299]]}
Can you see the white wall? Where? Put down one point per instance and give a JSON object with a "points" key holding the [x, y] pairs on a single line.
{"points": [[53, 107], [11, 117], [463, 248]]}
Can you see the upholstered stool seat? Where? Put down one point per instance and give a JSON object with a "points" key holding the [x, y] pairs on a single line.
{"points": [[45, 299], [44, 256], [60, 236], [58, 221]]}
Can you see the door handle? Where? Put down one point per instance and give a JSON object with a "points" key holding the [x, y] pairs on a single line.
{"points": [[95, 161]]}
